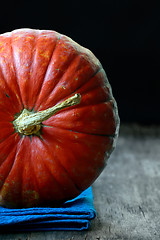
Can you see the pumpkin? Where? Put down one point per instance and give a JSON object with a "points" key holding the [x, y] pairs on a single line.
{"points": [[58, 118]]}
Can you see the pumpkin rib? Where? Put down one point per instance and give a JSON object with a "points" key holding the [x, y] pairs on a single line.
{"points": [[22, 53], [12, 187], [51, 122], [53, 89], [48, 68], [6, 129], [60, 186], [5, 116], [67, 172], [35, 34], [43, 161], [14, 148], [2, 161], [15, 69], [9, 92], [91, 86], [112, 136], [60, 164], [63, 135], [17, 149], [33, 169], [40, 37], [7, 145], [7, 71], [32, 165], [81, 84], [82, 92], [3, 178], [73, 175], [94, 74], [4, 110], [84, 104], [88, 58], [58, 82], [68, 142], [77, 89], [30, 188], [74, 131]]}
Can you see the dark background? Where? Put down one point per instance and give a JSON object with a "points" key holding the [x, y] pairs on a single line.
{"points": [[124, 35]]}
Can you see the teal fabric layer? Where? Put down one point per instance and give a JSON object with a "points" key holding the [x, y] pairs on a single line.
{"points": [[75, 214]]}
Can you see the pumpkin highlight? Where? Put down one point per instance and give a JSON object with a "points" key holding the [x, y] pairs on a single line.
{"points": [[58, 118]]}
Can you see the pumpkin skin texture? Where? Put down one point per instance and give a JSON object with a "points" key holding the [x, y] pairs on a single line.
{"points": [[39, 69]]}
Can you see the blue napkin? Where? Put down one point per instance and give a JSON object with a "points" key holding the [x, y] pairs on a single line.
{"points": [[75, 214]]}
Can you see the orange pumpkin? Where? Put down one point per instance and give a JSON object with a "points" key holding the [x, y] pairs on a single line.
{"points": [[58, 118]]}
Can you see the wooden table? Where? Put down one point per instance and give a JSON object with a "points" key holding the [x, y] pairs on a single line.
{"points": [[126, 195]]}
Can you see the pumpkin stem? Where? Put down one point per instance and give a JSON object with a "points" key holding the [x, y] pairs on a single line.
{"points": [[29, 123]]}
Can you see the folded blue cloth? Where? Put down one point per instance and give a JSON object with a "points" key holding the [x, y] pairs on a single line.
{"points": [[75, 214]]}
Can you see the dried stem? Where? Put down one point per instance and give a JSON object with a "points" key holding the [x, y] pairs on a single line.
{"points": [[29, 123]]}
